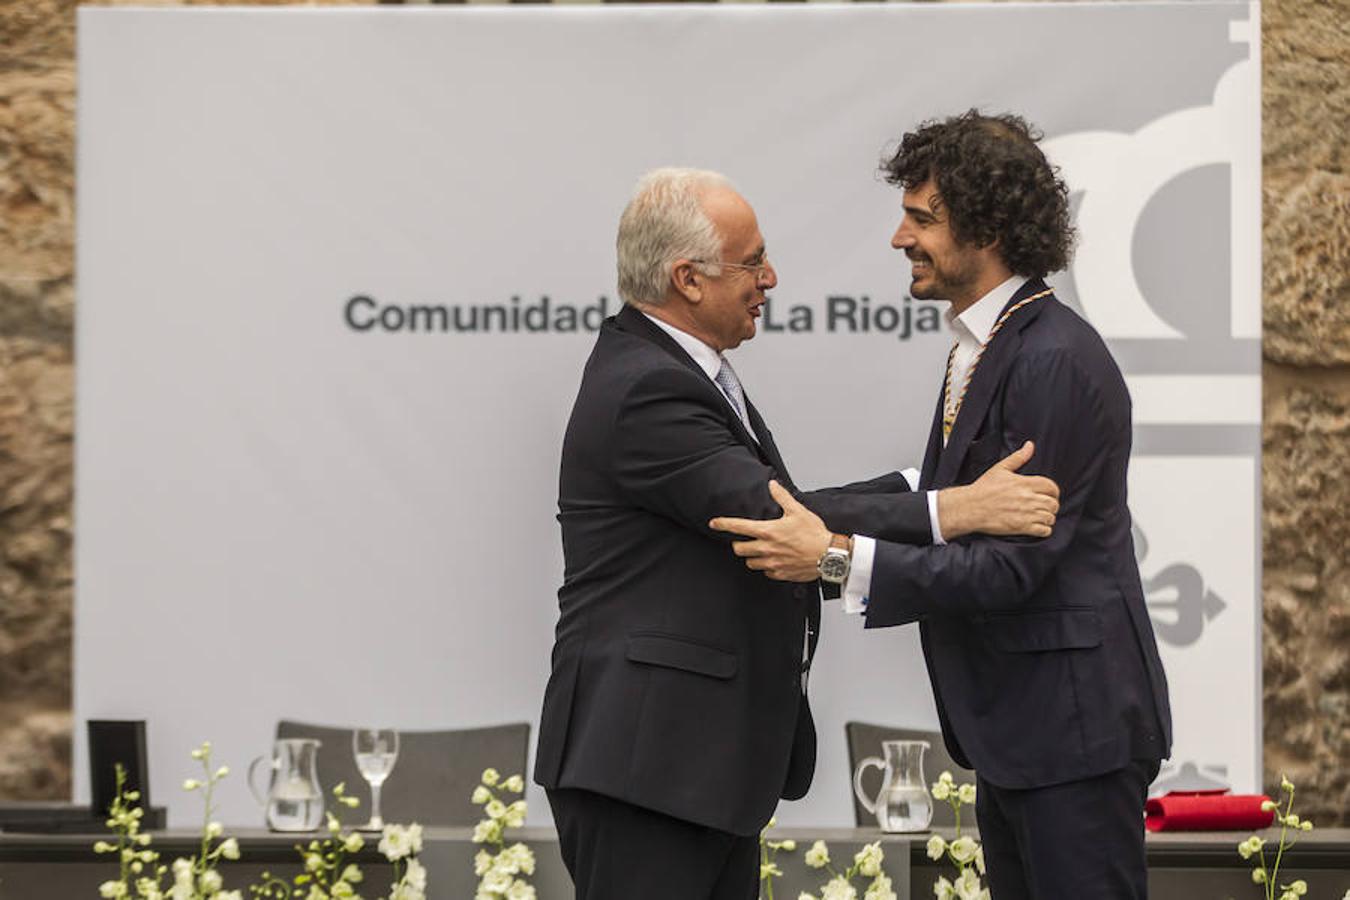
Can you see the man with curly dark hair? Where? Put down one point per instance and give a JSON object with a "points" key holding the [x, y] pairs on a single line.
{"points": [[1041, 654]]}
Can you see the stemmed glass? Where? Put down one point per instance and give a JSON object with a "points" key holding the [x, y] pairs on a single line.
{"points": [[376, 750]]}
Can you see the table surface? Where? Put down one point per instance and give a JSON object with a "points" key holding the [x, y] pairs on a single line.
{"points": [[1214, 845]]}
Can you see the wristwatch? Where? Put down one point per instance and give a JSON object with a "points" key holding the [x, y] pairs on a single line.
{"points": [[833, 565]]}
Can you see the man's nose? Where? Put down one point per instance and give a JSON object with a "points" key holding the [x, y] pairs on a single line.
{"points": [[902, 237], [769, 280]]}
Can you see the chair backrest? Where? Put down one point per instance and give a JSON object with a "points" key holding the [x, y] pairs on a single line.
{"points": [[864, 740], [433, 778]]}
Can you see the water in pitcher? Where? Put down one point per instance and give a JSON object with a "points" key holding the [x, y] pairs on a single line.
{"points": [[904, 808], [295, 806], [295, 815]]}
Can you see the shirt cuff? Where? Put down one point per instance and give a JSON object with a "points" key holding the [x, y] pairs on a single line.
{"points": [[859, 582], [911, 476], [933, 523]]}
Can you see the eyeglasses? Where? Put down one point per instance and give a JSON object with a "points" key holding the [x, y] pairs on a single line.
{"points": [[759, 270]]}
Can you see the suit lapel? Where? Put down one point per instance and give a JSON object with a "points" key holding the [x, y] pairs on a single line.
{"points": [[634, 322], [998, 356], [767, 446], [933, 453]]}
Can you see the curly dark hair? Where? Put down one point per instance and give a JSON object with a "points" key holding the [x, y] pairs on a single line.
{"points": [[995, 184]]}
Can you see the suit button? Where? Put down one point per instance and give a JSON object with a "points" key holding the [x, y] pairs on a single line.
{"points": [[799, 592]]}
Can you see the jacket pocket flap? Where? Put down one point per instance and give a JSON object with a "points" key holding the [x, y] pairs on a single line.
{"points": [[679, 653], [1055, 629]]}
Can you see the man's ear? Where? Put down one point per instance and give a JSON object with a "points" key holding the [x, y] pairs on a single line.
{"points": [[686, 280]]}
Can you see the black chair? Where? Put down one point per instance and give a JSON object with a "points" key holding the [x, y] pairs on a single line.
{"points": [[433, 778], [865, 740]]}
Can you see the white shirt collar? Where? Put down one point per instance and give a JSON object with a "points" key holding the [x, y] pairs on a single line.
{"points": [[708, 359], [980, 317]]}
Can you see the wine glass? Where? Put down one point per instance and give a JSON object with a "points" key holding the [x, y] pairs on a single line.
{"points": [[375, 750]]}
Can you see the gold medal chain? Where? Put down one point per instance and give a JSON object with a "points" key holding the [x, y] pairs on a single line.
{"points": [[950, 409]]}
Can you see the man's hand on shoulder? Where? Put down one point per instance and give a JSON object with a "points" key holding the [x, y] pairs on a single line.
{"points": [[1001, 502], [788, 548]]}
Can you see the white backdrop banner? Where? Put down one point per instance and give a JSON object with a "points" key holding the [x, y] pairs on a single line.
{"points": [[339, 270]]}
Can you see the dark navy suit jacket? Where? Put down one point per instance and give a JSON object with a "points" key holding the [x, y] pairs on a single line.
{"points": [[1041, 654], [677, 679]]}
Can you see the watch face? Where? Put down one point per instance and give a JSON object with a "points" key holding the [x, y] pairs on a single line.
{"points": [[834, 566]]}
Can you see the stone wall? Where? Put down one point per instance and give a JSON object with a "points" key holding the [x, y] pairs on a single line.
{"points": [[1306, 47]]}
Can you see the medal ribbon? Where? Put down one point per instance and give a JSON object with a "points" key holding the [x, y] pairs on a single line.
{"points": [[950, 408]]}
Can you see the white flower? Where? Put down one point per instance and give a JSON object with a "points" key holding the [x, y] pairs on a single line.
{"points": [[343, 890], [191, 784], [481, 795], [515, 815], [942, 790], [506, 862], [353, 843], [406, 892], [524, 857], [1269, 806], [488, 831], [979, 858], [416, 875], [182, 872], [880, 889], [839, 889], [229, 848], [395, 842], [482, 861], [490, 777], [352, 873], [963, 849], [968, 885], [211, 882], [869, 859], [818, 856], [112, 889], [936, 847], [415, 837], [789, 845], [495, 809], [222, 772], [496, 881], [1299, 888], [943, 890], [515, 784], [520, 891], [769, 870], [966, 793]]}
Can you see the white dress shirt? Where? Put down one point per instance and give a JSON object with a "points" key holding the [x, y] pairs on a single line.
{"points": [[710, 361], [972, 329]]}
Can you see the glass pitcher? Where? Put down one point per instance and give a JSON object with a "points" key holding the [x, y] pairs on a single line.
{"points": [[293, 799], [903, 803]]}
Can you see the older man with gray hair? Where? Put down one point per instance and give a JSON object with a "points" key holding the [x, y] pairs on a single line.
{"points": [[676, 714]]}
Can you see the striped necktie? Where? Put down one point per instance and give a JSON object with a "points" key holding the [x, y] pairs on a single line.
{"points": [[731, 386]]}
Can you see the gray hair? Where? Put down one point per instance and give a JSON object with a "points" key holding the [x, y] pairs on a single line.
{"points": [[665, 222]]}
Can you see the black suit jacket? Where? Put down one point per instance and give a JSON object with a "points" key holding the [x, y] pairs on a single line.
{"points": [[1041, 653], [678, 674]]}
